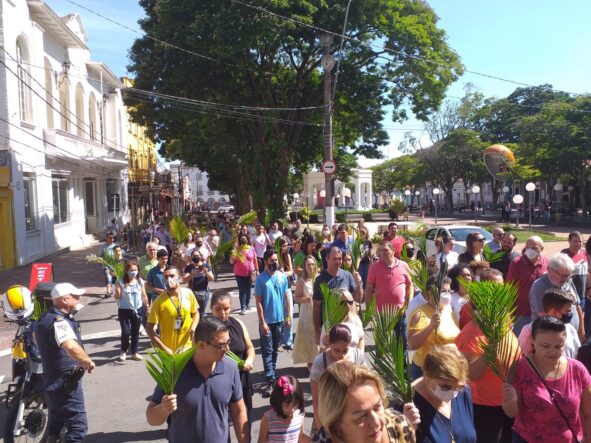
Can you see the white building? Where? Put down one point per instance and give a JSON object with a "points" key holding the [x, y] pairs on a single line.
{"points": [[62, 132], [361, 195], [200, 194]]}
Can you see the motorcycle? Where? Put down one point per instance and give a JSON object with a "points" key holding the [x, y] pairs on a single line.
{"points": [[27, 416]]}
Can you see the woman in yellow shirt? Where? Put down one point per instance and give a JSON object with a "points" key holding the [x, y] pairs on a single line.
{"points": [[430, 326]]}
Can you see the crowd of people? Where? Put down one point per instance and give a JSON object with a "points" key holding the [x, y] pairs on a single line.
{"points": [[457, 396]]}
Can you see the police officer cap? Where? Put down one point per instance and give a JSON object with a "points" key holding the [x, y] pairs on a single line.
{"points": [[62, 289]]}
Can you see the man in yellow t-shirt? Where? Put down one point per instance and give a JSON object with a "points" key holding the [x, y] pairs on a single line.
{"points": [[176, 311]]}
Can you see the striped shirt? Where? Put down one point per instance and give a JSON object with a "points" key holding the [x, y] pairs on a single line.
{"points": [[284, 430]]}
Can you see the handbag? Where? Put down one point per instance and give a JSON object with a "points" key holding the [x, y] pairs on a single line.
{"points": [[553, 398], [253, 276]]}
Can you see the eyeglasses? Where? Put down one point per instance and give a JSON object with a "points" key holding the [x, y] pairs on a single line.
{"points": [[480, 239], [221, 346], [561, 274]]}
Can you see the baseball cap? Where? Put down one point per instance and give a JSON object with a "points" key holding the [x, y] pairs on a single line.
{"points": [[62, 289]]}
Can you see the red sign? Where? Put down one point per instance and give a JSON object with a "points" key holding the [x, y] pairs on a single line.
{"points": [[40, 272], [329, 167]]}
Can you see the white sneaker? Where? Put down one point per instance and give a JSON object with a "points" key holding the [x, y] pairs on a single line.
{"points": [[122, 356], [136, 357], [143, 332]]}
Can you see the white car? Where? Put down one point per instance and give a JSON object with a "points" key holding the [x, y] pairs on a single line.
{"points": [[226, 208], [459, 234]]}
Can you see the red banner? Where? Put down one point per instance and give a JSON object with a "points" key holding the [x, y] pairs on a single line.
{"points": [[40, 272]]}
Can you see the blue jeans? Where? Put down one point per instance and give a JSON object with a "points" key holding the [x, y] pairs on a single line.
{"points": [[269, 345], [67, 411], [363, 272], [243, 290]]}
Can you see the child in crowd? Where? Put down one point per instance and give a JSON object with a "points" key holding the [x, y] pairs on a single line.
{"points": [[284, 422], [557, 303]]}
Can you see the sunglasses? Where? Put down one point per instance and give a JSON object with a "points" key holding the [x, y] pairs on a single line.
{"points": [[221, 346], [480, 239]]}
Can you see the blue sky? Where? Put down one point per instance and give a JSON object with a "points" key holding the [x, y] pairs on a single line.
{"points": [[529, 41]]}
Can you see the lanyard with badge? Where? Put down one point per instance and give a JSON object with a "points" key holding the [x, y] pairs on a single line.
{"points": [[178, 322]]}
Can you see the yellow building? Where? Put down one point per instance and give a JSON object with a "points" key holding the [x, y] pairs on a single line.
{"points": [[143, 159]]}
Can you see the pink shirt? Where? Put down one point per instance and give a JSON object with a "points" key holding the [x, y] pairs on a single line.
{"points": [[523, 272], [243, 267], [389, 282], [398, 243], [538, 419]]}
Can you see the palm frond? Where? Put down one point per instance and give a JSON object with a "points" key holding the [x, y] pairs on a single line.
{"points": [[278, 251], [109, 261], [368, 314], [220, 253], [491, 256], [419, 274], [333, 309], [247, 219], [388, 354], [178, 229], [165, 368], [38, 308], [237, 359], [494, 313], [356, 249]]}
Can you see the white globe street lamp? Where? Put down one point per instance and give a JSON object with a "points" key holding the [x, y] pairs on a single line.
{"points": [[475, 190], [530, 187], [517, 199], [436, 194]]}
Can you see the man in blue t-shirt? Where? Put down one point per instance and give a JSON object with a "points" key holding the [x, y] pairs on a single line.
{"points": [[335, 278], [271, 292], [155, 278], [208, 386]]}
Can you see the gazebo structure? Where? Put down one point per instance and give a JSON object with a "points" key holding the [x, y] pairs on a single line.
{"points": [[361, 196]]}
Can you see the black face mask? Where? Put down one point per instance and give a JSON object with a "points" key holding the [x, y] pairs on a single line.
{"points": [[410, 253], [195, 259], [566, 318], [199, 243], [243, 241], [273, 267]]}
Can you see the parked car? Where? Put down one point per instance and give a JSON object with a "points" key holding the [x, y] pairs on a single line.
{"points": [[458, 232], [226, 208]]}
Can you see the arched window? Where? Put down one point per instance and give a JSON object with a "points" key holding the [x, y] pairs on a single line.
{"points": [[24, 81], [92, 116], [80, 129], [49, 93], [65, 105]]}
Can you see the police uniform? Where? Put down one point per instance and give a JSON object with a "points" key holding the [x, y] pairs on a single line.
{"points": [[66, 409]]}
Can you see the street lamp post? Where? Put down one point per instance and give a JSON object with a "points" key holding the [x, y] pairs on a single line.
{"points": [[323, 196], [328, 62], [347, 194], [418, 202], [436, 194], [475, 191], [296, 196], [517, 199], [530, 187]]}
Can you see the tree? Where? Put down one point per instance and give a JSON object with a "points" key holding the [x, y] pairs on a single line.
{"points": [[558, 141], [457, 157], [396, 173], [250, 58], [454, 114]]}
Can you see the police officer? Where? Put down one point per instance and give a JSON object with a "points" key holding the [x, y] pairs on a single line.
{"points": [[64, 363]]}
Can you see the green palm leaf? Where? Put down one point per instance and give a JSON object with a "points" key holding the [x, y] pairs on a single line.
{"points": [[388, 354], [247, 219], [109, 261], [165, 368], [237, 359], [278, 250], [220, 253], [494, 313], [333, 309], [368, 314], [178, 229], [356, 249]]}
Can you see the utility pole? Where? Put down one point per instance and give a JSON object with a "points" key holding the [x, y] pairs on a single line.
{"points": [[328, 62]]}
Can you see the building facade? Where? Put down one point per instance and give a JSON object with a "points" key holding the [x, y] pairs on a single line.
{"points": [[62, 136], [143, 160], [200, 195]]}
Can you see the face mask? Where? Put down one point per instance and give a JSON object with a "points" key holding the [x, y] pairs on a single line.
{"points": [[132, 274], [444, 395], [445, 299], [243, 241], [273, 267], [199, 243], [170, 283], [189, 238], [326, 232], [195, 259], [410, 253], [566, 318], [532, 254]]}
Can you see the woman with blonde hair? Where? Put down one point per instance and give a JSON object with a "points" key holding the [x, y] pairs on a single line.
{"points": [[444, 399], [305, 349], [351, 319], [352, 408]]}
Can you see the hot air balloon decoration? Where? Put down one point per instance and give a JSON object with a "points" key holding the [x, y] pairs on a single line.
{"points": [[499, 160]]}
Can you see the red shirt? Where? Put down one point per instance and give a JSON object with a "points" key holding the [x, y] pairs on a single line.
{"points": [[398, 243], [389, 282], [523, 272]]}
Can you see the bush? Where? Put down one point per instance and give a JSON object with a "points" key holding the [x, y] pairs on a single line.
{"points": [[340, 217], [314, 218], [305, 214], [377, 238], [367, 216], [392, 214]]}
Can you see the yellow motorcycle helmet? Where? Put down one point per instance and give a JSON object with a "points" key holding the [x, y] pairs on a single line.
{"points": [[17, 302]]}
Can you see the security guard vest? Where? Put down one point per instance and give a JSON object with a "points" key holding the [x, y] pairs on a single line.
{"points": [[55, 359]]}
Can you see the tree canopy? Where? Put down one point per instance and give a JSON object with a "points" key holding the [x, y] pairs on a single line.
{"points": [[238, 59]]}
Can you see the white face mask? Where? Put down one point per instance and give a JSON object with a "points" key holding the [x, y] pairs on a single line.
{"points": [[445, 299], [444, 395], [531, 253], [171, 283]]}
